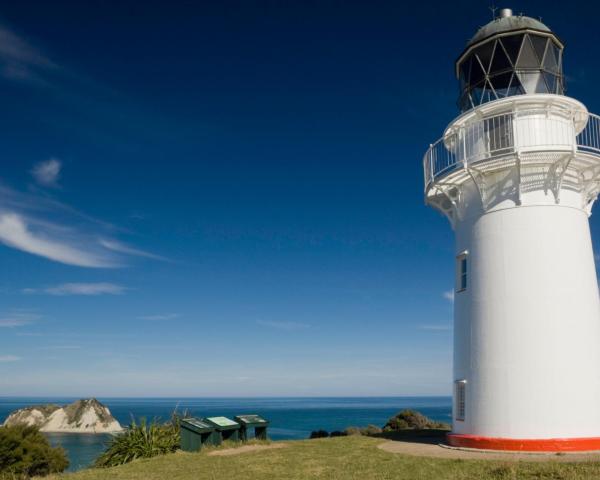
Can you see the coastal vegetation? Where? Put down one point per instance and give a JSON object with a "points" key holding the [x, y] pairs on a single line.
{"points": [[407, 420], [412, 420], [354, 457], [369, 430], [25, 452], [141, 440]]}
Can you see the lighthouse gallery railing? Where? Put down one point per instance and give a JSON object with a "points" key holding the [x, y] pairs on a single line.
{"points": [[495, 136]]}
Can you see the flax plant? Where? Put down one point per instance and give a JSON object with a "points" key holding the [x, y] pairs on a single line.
{"points": [[141, 440]]}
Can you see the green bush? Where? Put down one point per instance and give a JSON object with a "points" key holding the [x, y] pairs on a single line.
{"points": [[141, 440], [370, 430], [412, 420], [25, 452]]}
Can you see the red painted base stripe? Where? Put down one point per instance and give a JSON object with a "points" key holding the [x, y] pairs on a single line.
{"points": [[525, 445]]}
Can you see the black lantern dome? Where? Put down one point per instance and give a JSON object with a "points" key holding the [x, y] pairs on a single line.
{"points": [[511, 55]]}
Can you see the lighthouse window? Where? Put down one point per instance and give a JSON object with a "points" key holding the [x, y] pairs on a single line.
{"points": [[461, 272], [460, 399]]}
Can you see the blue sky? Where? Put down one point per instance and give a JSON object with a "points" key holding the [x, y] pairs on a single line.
{"points": [[225, 199]]}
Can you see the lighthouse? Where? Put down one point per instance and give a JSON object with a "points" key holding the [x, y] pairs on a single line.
{"points": [[517, 174]]}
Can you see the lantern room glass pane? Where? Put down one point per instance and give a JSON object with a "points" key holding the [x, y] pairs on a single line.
{"points": [[551, 82], [465, 102], [477, 74], [484, 53], [488, 94], [551, 59], [515, 87], [500, 60], [527, 57], [501, 83], [477, 94], [512, 45], [465, 71], [465, 67], [539, 45]]}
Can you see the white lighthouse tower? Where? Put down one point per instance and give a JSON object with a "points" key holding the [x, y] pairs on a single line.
{"points": [[517, 174]]}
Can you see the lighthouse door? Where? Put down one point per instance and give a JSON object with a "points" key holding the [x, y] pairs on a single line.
{"points": [[499, 132]]}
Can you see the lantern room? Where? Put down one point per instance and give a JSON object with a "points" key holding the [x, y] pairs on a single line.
{"points": [[511, 55]]}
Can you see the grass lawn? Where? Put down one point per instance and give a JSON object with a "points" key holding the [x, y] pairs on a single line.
{"points": [[340, 458]]}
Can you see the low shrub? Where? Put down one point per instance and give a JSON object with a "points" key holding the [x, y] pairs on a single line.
{"points": [[319, 434], [337, 433], [141, 440], [25, 452], [412, 420], [370, 430], [352, 431]]}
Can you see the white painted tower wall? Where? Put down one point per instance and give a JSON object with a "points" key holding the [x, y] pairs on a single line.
{"points": [[527, 327]]}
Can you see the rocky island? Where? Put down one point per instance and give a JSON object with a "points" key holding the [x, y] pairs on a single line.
{"points": [[82, 416]]}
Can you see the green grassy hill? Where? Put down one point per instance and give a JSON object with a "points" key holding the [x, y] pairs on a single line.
{"points": [[342, 458]]}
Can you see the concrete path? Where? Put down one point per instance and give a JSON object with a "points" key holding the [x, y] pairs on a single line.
{"points": [[425, 449]]}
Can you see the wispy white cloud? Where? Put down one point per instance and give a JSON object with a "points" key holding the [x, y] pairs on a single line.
{"points": [[100, 288], [9, 358], [36, 223], [449, 295], [438, 328], [47, 173], [21, 62], [282, 325], [119, 247], [17, 319], [165, 316], [35, 204], [16, 233]]}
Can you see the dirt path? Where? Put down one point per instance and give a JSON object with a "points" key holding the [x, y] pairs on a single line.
{"points": [[435, 450], [245, 449]]}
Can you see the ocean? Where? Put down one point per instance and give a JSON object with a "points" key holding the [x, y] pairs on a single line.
{"points": [[291, 418]]}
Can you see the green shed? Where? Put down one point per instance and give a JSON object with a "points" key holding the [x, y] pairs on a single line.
{"points": [[258, 423], [195, 433], [225, 428]]}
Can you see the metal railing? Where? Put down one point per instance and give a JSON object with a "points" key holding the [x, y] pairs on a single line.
{"points": [[504, 134], [589, 138]]}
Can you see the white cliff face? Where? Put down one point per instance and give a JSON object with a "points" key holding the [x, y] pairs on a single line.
{"points": [[32, 416], [82, 416]]}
